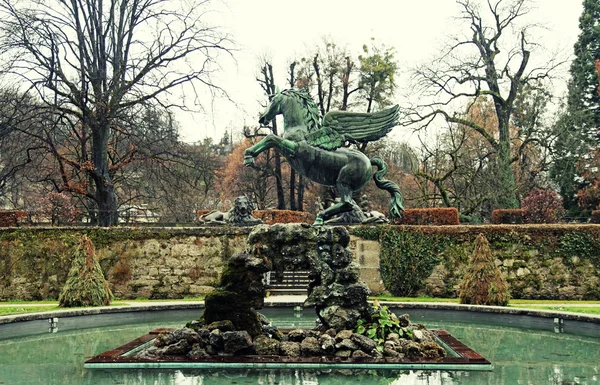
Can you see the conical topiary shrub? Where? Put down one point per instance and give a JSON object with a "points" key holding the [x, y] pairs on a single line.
{"points": [[483, 284], [85, 284]]}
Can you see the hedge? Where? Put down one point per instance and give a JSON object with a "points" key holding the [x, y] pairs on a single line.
{"points": [[507, 216], [283, 216], [272, 216], [12, 218], [432, 216]]}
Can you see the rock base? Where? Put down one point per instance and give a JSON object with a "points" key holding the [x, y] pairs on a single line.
{"points": [[220, 339]]}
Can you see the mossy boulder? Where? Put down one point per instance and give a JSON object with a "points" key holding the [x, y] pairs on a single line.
{"points": [[239, 293], [85, 285]]}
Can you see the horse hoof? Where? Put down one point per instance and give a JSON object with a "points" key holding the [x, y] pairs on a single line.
{"points": [[318, 222], [248, 161]]}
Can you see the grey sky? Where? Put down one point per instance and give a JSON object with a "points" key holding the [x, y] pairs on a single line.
{"points": [[284, 29]]}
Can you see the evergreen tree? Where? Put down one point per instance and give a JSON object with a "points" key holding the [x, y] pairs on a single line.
{"points": [[579, 126], [583, 95]]}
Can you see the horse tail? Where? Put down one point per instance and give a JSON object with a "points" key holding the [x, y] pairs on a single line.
{"points": [[396, 207]]}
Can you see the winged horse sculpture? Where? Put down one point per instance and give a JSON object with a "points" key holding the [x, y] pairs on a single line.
{"points": [[314, 147]]}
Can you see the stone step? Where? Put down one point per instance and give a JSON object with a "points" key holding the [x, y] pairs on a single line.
{"points": [[291, 280], [286, 291]]}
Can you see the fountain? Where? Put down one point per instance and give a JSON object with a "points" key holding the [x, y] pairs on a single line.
{"points": [[349, 332]]}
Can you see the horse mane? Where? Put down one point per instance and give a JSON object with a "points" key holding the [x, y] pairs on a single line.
{"points": [[312, 115]]}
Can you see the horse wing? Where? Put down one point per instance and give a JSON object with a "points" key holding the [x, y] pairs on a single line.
{"points": [[341, 126]]}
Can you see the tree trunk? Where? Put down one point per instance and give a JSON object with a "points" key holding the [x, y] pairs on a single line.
{"points": [[278, 178], [507, 198], [293, 206], [300, 193], [105, 193]]}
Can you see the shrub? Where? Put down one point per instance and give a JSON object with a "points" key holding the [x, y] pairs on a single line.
{"points": [[85, 284], [407, 259], [507, 216], [434, 216], [12, 218], [483, 284], [282, 216], [542, 206], [595, 218], [57, 207]]}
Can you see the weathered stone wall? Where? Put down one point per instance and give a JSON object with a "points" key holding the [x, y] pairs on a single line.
{"points": [[366, 255], [138, 263], [537, 261]]}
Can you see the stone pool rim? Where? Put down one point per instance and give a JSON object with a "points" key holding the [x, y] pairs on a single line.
{"points": [[270, 303]]}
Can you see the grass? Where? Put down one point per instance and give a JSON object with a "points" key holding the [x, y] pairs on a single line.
{"points": [[512, 302], [586, 307], [10, 310], [412, 299], [574, 309]]}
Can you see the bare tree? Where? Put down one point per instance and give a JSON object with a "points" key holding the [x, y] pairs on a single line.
{"points": [[90, 62], [489, 61]]}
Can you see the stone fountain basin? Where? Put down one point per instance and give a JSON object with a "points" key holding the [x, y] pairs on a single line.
{"points": [[458, 357]]}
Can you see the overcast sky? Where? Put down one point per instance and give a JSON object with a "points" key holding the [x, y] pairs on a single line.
{"points": [[284, 29]]}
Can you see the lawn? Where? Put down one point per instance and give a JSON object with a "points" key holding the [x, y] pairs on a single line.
{"points": [[10, 310], [587, 307]]}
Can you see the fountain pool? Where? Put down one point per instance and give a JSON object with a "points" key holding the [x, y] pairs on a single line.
{"points": [[524, 350]]}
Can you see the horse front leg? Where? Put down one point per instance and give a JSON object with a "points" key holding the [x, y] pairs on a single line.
{"points": [[284, 146], [254, 151]]}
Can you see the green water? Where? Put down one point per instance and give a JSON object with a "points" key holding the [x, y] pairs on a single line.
{"points": [[520, 356]]}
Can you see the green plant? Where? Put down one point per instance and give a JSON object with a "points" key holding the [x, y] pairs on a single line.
{"points": [[407, 258], [579, 244], [382, 323], [85, 284]]}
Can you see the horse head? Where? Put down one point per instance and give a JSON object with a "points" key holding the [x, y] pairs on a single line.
{"points": [[273, 109]]}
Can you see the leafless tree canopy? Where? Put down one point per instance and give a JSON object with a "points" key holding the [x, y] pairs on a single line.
{"points": [[90, 62], [490, 61]]}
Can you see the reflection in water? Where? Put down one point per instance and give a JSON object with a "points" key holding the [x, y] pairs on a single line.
{"points": [[520, 356]]}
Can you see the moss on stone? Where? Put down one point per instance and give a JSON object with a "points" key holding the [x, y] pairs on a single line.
{"points": [[221, 305]]}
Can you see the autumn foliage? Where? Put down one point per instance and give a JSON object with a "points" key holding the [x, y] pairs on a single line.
{"points": [[430, 216], [588, 197], [542, 206], [483, 283], [57, 207]]}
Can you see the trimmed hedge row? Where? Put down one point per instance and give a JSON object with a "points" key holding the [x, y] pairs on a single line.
{"points": [[272, 216], [507, 216], [283, 216], [12, 218], [431, 216]]}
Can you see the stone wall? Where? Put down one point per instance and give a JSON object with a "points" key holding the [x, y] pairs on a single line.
{"points": [[366, 255], [138, 263], [537, 261]]}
